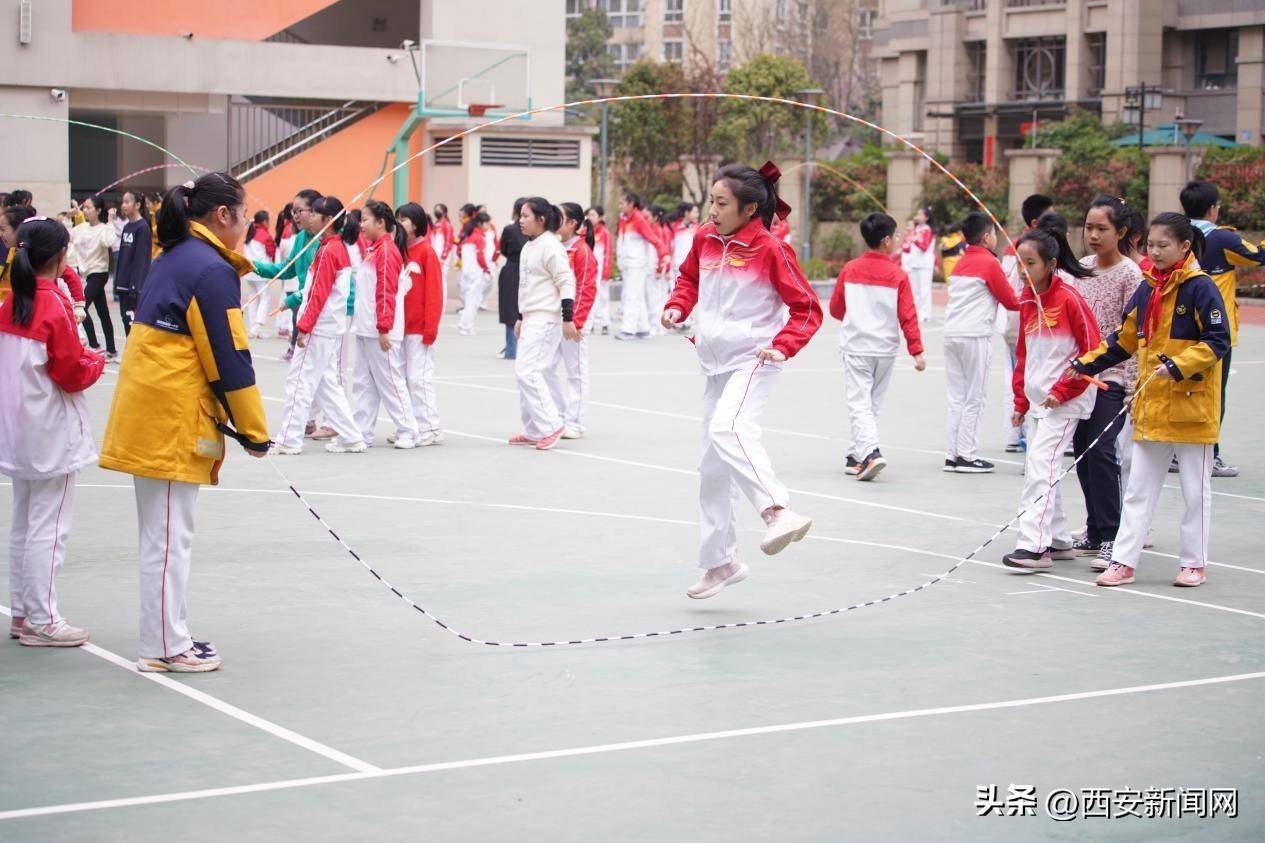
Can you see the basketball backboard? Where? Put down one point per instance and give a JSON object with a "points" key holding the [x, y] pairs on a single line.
{"points": [[457, 75]]}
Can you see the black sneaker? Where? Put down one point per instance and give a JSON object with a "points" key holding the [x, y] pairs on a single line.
{"points": [[1222, 469], [1027, 560], [1069, 452], [1086, 547], [950, 464], [851, 466], [1102, 561], [1015, 448], [1174, 467], [975, 466], [873, 464]]}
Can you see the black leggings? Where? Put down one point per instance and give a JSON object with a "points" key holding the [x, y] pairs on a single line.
{"points": [[1099, 471], [1225, 380], [94, 296]]}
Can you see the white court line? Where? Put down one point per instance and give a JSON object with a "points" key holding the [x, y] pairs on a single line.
{"points": [[1045, 589], [228, 709], [676, 740]]}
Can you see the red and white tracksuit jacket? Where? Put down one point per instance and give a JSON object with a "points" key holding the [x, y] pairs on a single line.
{"points": [[474, 252], [44, 370], [324, 308], [636, 233], [746, 292], [682, 240], [441, 239], [603, 249], [781, 230], [1053, 331], [876, 303], [584, 265], [976, 287], [423, 302], [916, 248], [380, 290]]}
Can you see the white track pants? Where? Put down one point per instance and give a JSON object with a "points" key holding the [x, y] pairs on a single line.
{"points": [[920, 282], [656, 298], [632, 297], [572, 394], [866, 380], [42, 512], [600, 315], [313, 380], [734, 462], [1146, 479], [164, 512], [1124, 449], [378, 381], [1044, 523], [534, 367], [419, 373], [1014, 435], [473, 287], [966, 361], [256, 313]]}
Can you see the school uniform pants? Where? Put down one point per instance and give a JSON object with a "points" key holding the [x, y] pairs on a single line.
{"points": [[419, 374], [656, 298], [534, 366], [1149, 470], [1124, 451], [472, 290], [313, 379], [94, 297], [571, 395], [256, 313], [600, 315], [1098, 470], [1043, 522], [42, 512], [127, 309], [966, 361], [920, 281], [632, 297], [378, 381], [866, 379], [1014, 435], [734, 462], [164, 514], [1225, 381]]}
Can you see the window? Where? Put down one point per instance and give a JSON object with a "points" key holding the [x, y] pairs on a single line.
{"points": [[574, 8], [1216, 59], [529, 152], [1097, 44], [976, 61], [779, 13], [724, 54], [674, 51], [622, 13], [448, 155], [865, 22], [625, 55], [724, 11], [1039, 65], [673, 11]]}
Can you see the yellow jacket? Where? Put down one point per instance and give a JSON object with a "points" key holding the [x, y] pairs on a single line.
{"points": [[1189, 338], [186, 369], [1225, 251]]}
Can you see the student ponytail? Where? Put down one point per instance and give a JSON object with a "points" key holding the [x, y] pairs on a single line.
{"points": [[750, 186], [382, 211], [1179, 226], [573, 212], [343, 224], [194, 200], [543, 209], [1054, 225], [39, 240], [471, 213]]}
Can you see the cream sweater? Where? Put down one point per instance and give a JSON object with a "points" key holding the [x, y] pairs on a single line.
{"points": [[545, 278], [90, 247]]}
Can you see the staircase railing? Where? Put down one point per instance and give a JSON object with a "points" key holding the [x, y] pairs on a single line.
{"points": [[262, 134]]}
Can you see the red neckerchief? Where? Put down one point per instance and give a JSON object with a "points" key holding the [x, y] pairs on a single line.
{"points": [[1155, 304]]}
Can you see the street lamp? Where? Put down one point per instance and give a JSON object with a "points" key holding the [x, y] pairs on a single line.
{"points": [[1188, 126], [605, 89], [808, 96]]}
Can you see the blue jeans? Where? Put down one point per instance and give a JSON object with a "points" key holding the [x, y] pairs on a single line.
{"points": [[511, 343]]}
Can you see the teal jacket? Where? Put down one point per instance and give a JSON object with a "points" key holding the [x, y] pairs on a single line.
{"points": [[305, 247]]}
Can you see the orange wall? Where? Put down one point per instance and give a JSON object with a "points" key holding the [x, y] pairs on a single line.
{"points": [[341, 165], [243, 20]]}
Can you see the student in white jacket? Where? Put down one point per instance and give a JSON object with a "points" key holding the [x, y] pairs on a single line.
{"points": [[45, 433], [918, 259], [546, 302]]}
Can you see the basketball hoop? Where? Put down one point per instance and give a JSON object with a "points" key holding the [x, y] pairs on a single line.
{"points": [[478, 109]]}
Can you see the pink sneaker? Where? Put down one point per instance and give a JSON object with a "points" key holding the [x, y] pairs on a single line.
{"points": [[1190, 578], [520, 439], [323, 432], [59, 634], [1116, 574], [551, 440], [15, 627], [717, 580]]}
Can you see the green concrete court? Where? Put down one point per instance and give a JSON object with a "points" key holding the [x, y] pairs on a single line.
{"points": [[341, 714]]}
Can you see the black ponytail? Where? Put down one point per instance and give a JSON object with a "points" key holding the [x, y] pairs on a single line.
{"points": [[541, 208], [471, 214], [39, 241], [382, 211], [194, 200], [345, 225], [415, 214], [1179, 226], [575, 213], [750, 187], [286, 216], [1055, 226], [1121, 219]]}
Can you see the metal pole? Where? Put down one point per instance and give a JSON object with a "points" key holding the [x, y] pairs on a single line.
{"points": [[805, 199], [601, 177], [1142, 116]]}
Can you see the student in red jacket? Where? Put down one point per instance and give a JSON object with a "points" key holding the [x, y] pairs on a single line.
{"points": [[604, 251], [423, 306], [753, 310], [441, 240], [875, 302], [577, 235]]}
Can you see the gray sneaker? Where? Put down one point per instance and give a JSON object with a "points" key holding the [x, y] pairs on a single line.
{"points": [[1220, 469], [59, 634], [1103, 560]]}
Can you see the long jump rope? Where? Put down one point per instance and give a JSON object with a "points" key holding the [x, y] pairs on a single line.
{"points": [[681, 630]]}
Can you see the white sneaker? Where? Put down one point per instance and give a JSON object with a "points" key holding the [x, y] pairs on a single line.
{"points": [[431, 437], [573, 433], [785, 527], [59, 634], [192, 660], [710, 585], [405, 443], [353, 448], [285, 451]]}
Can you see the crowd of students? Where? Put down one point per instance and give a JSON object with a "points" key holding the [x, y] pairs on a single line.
{"points": [[1120, 357]]}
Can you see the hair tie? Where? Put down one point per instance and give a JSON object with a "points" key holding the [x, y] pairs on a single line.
{"points": [[770, 173]]}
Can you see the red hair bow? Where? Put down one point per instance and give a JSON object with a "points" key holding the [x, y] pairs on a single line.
{"points": [[771, 174]]}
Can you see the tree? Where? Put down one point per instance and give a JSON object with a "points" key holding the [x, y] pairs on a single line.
{"points": [[839, 63], [752, 131], [1091, 164], [647, 135], [587, 58]]}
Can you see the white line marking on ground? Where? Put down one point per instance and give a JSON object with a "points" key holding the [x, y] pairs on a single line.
{"points": [[228, 709], [1043, 589], [624, 746]]}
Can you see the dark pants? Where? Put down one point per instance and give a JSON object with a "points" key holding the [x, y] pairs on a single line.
{"points": [[94, 296], [1099, 471], [127, 309], [1225, 379]]}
